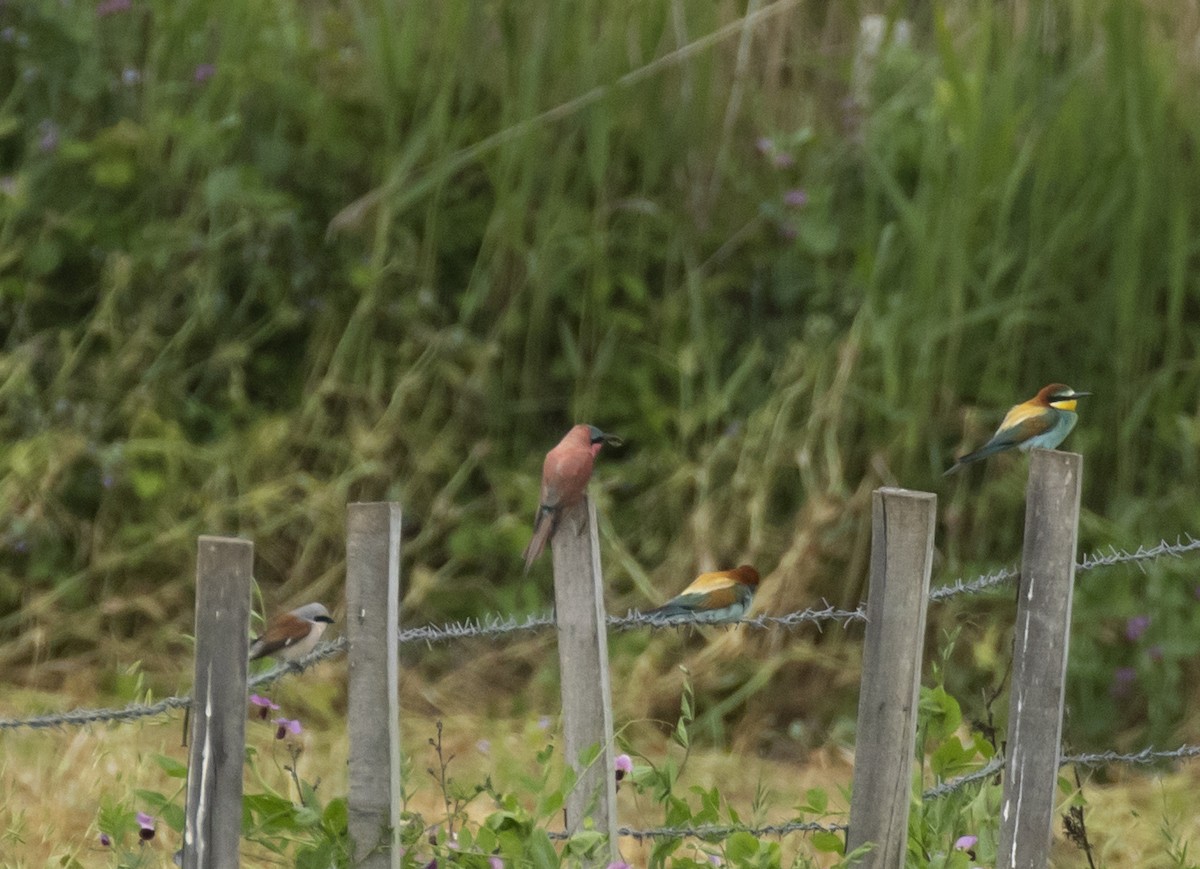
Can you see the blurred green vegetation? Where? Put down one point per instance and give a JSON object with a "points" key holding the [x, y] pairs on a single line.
{"points": [[260, 259]]}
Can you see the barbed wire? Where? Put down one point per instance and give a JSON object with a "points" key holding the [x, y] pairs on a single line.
{"points": [[1178, 549], [80, 717], [496, 626], [1108, 558], [136, 711], [993, 766], [1144, 757], [720, 831]]}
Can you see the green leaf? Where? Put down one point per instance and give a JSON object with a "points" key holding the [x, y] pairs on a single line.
{"points": [[336, 815], [740, 846], [816, 801], [827, 842], [171, 766]]}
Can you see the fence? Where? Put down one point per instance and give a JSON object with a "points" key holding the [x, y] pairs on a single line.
{"points": [[901, 556]]}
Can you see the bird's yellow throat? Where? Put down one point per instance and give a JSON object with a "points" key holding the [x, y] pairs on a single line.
{"points": [[1069, 404]]}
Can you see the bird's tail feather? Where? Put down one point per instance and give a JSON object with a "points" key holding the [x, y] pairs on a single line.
{"points": [[667, 610], [981, 453], [544, 527]]}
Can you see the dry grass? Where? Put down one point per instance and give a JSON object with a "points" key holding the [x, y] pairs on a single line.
{"points": [[53, 783]]}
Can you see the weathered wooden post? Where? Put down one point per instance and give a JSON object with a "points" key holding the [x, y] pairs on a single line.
{"points": [[902, 525], [213, 823], [1040, 659], [583, 661], [372, 629]]}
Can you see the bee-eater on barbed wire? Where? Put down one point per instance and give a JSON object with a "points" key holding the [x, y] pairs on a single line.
{"points": [[565, 475], [1043, 421], [721, 596]]}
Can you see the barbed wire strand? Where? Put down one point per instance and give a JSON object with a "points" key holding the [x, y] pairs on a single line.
{"points": [[496, 626], [720, 831], [1109, 558]]}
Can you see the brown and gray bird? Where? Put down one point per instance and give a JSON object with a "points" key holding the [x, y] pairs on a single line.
{"points": [[565, 475], [291, 636]]}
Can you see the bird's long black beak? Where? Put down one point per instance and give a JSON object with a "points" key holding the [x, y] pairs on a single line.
{"points": [[599, 437], [1077, 394]]}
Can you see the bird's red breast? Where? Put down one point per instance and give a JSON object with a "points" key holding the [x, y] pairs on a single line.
{"points": [[567, 468]]}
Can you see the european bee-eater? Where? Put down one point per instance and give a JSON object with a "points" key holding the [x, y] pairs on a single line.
{"points": [[291, 636], [721, 596], [565, 475], [1043, 421]]}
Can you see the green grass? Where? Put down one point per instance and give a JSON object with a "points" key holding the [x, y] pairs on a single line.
{"points": [[387, 254]]}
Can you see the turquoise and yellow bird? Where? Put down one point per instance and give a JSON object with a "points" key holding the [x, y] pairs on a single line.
{"points": [[720, 596], [1043, 421]]}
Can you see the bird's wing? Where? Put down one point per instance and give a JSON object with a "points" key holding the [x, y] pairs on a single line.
{"points": [[283, 631], [712, 591], [1029, 422]]}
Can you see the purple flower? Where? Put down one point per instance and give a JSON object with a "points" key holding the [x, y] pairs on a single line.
{"points": [[764, 145], [111, 7], [484, 746], [715, 859], [131, 76], [264, 704], [783, 160], [1123, 680], [623, 765], [495, 862], [965, 843], [619, 864], [105, 841], [203, 73], [146, 824], [1135, 627], [796, 198], [544, 722], [286, 726], [107, 481]]}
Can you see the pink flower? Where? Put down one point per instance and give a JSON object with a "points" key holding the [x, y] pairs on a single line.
{"points": [[146, 824], [264, 704], [965, 843], [495, 862], [286, 726], [623, 765], [203, 73], [796, 198]]}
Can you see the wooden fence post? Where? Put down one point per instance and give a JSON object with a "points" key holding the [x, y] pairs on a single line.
{"points": [[583, 662], [213, 822], [1040, 658], [372, 629], [902, 525]]}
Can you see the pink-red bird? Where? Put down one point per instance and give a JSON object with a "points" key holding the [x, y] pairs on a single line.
{"points": [[565, 475], [721, 596]]}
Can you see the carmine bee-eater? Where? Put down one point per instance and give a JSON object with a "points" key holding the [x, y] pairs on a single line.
{"points": [[1043, 421], [290, 636], [721, 596], [565, 475]]}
